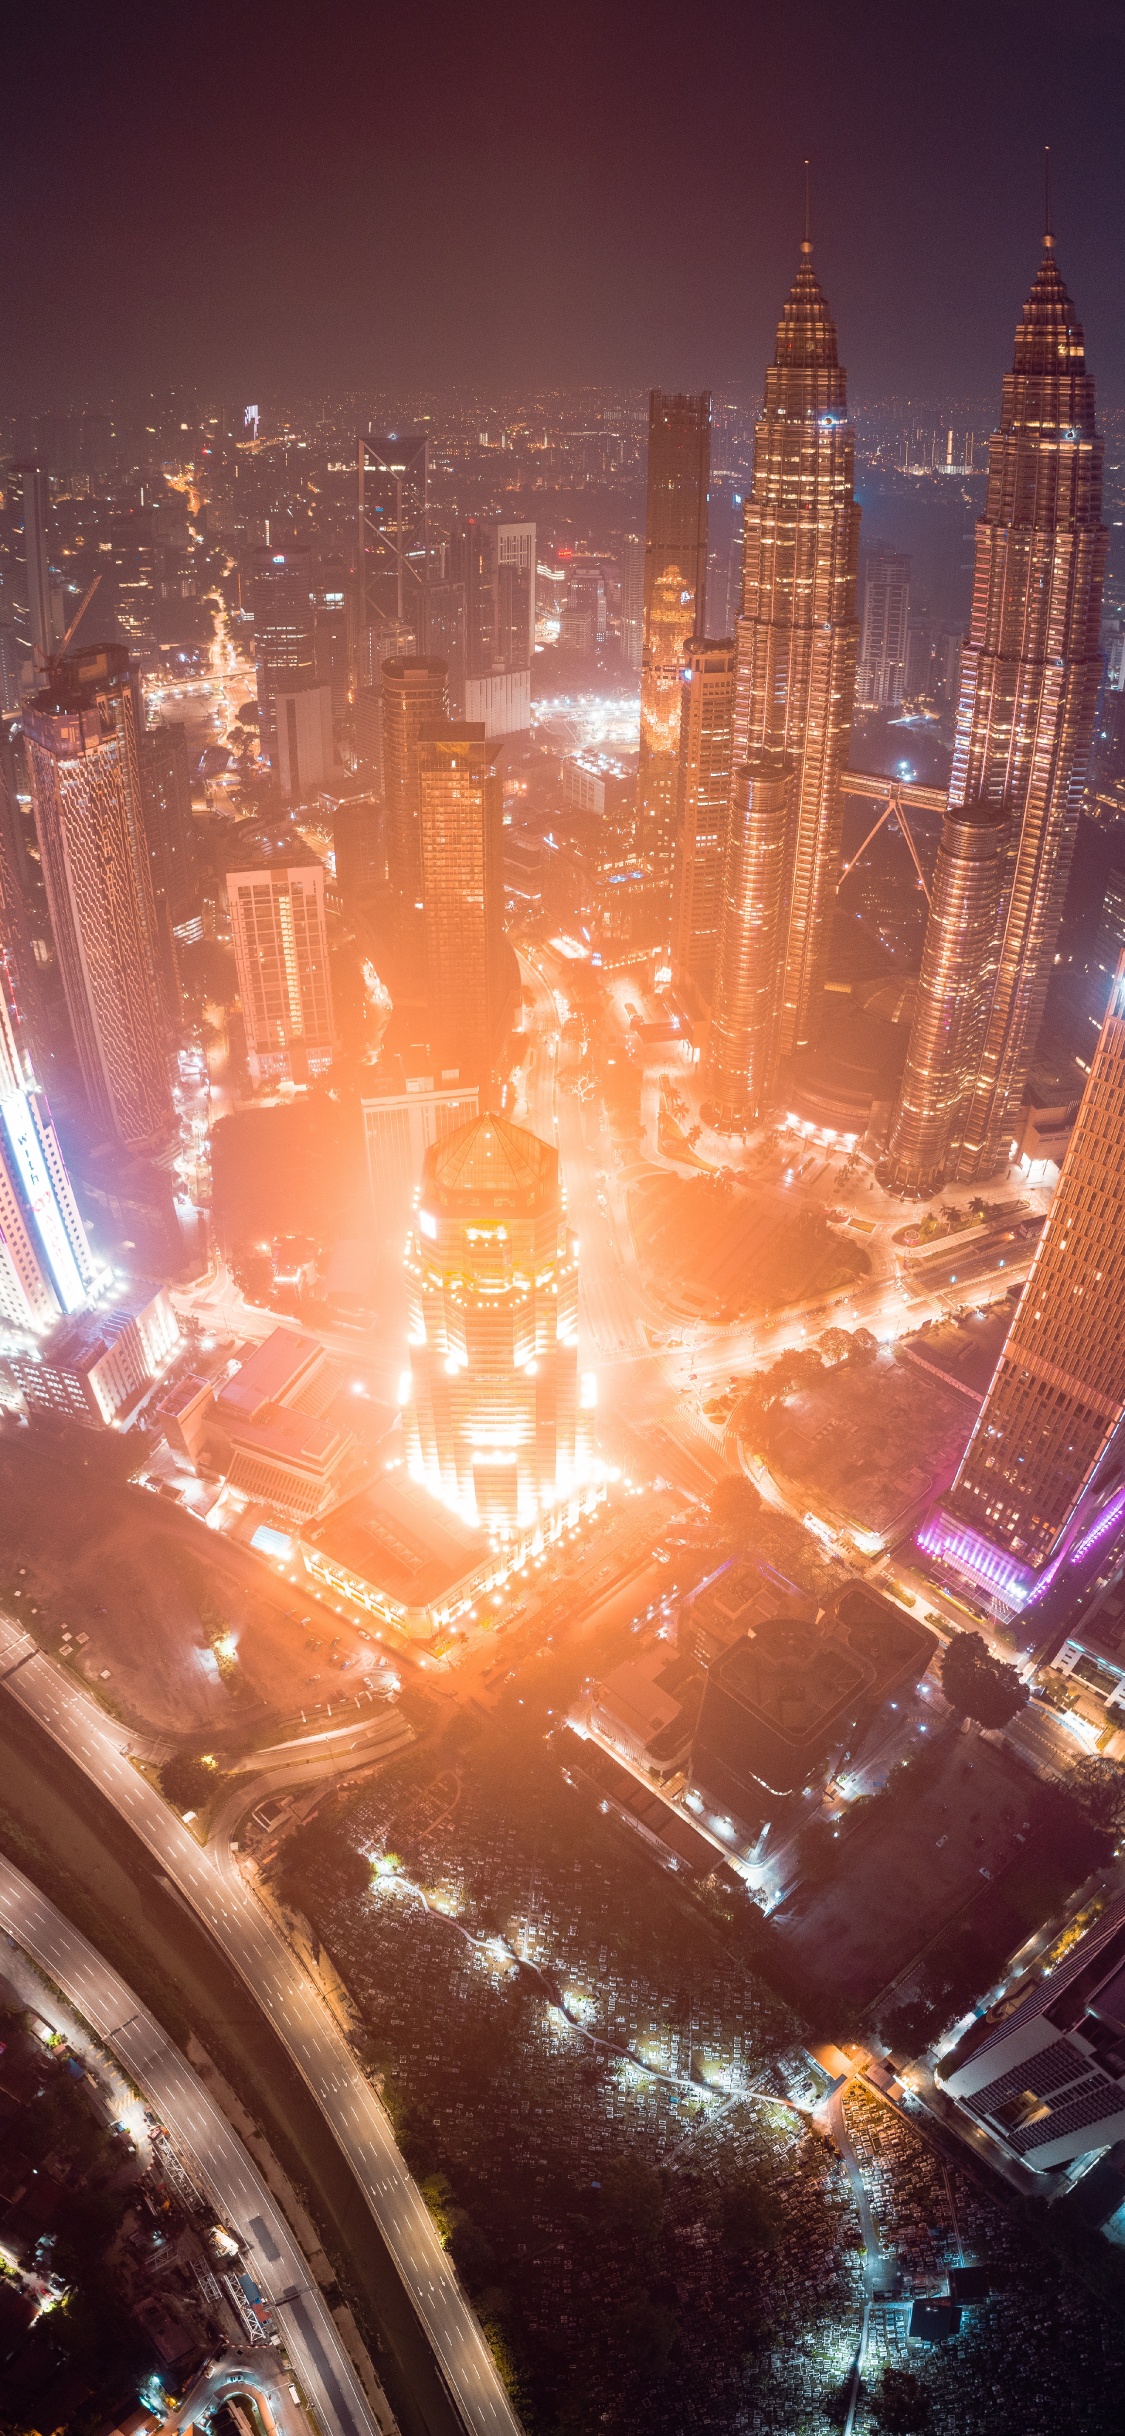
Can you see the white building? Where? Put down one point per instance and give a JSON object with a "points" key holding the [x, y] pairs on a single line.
{"points": [[275, 893]]}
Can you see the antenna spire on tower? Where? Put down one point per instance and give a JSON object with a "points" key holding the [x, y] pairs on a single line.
{"points": [[806, 241], [1048, 231]]}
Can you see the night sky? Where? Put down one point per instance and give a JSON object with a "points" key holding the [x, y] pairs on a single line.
{"points": [[252, 199]]}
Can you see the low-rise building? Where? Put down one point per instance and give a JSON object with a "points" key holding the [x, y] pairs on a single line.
{"points": [[395, 1552], [1045, 2074], [99, 1365], [283, 1428]]}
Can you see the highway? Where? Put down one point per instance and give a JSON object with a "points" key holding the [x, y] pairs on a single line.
{"points": [[211, 1883], [212, 2154]]}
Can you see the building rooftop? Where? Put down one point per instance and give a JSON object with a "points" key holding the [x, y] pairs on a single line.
{"points": [[395, 1536], [798, 1683], [269, 845], [491, 1164], [272, 1374]]}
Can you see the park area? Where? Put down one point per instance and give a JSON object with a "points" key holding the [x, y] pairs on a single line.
{"points": [[721, 1250]]}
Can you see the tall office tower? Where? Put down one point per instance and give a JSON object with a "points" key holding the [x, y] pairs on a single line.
{"points": [[177, 884], [332, 631], [492, 1426], [25, 569], [706, 735], [884, 626], [415, 696], [460, 828], [1046, 2076], [958, 970], [1029, 685], [679, 460], [393, 530], [284, 631], [797, 649], [275, 891], [632, 599], [82, 742], [754, 904], [303, 724], [1057, 1397], [46, 1265]]}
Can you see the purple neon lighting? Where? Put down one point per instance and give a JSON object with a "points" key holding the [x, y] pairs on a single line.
{"points": [[1105, 1522], [943, 1538]]}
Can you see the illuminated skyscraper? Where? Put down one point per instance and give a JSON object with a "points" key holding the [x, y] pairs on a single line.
{"points": [[796, 666], [1037, 1456], [706, 733], [393, 530], [83, 760], [1029, 683], [415, 695], [675, 577], [46, 1265], [881, 675], [275, 891], [493, 1422], [754, 899], [284, 632], [951, 1007], [460, 829]]}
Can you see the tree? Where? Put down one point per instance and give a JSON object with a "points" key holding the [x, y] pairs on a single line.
{"points": [[902, 2405], [187, 1780], [979, 1685], [734, 1505], [1100, 1788], [751, 2219]]}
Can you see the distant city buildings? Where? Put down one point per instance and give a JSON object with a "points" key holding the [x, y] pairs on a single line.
{"points": [[170, 827], [393, 535], [83, 741], [275, 893], [29, 604], [493, 1423], [675, 580], [415, 696], [1031, 671], [1040, 1464], [794, 692], [884, 629]]}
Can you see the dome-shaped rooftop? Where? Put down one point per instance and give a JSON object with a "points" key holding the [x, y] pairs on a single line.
{"points": [[488, 1161]]}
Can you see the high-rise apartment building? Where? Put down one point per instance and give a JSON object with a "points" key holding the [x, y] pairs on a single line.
{"points": [[460, 828], [82, 735], [284, 632], [1033, 1466], [793, 695], [884, 630], [415, 696], [706, 737], [493, 1423], [632, 599], [46, 1266], [393, 530], [1048, 2077], [275, 892], [1030, 673], [25, 574], [170, 827], [675, 580], [958, 967]]}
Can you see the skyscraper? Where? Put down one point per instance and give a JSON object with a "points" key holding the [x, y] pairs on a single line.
{"points": [[884, 625], [1057, 1400], [393, 530], [84, 764], [706, 735], [275, 891], [461, 839], [958, 969], [415, 696], [795, 677], [46, 1265], [675, 577], [1029, 683], [492, 1426], [284, 632], [754, 900]]}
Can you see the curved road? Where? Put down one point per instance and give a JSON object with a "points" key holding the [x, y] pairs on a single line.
{"points": [[213, 2154], [271, 1971]]}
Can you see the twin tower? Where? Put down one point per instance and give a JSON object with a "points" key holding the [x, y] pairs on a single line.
{"points": [[1030, 674]]}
